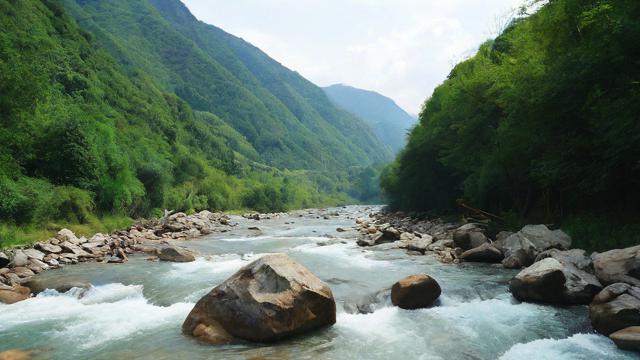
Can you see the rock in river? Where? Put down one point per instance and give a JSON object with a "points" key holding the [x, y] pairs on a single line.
{"points": [[415, 292], [485, 253], [520, 249], [552, 281], [615, 308], [175, 254], [620, 265], [271, 299], [11, 295], [627, 339]]}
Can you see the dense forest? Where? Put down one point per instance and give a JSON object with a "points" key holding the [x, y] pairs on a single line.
{"points": [[113, 115], [542, 124]]}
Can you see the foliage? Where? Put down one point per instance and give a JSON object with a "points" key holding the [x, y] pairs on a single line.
{"points": [[541, 122]]}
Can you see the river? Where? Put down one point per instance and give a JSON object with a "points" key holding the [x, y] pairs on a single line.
{"points": [[136, 309]]}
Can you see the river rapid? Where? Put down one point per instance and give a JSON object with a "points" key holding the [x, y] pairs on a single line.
{"points": [[136, 309]]}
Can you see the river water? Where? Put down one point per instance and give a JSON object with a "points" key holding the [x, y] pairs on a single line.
{"points": [[136, 309]]}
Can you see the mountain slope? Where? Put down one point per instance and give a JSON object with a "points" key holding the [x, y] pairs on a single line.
{"points": [[388, 121], [287, 119]]}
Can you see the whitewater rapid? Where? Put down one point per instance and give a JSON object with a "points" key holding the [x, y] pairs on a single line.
{"points": [[135, 310]]}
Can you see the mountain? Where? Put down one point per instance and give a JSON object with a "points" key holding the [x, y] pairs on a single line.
{"points": [[540, 126], [288, 120], [388, 121], [117, 109]]}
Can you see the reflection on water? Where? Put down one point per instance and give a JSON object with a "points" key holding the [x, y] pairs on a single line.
{"points": [[136, 309]]}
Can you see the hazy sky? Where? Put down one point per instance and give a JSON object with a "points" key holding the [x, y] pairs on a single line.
{"points": [[400, 48]]}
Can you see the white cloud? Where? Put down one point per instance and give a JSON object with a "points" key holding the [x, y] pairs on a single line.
{"points": [[400, 48]]}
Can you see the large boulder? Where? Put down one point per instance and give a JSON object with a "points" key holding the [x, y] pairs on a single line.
{"points": [[552, 281], [615, 308], [19, 259], [67, 235], [175, 254], [12, 295], [627, 339], [415, 292], [522, 248], [271, 299], [469, 236], [620, 265], [485, 253]]}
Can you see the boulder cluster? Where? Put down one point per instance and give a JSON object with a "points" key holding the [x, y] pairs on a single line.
{"points": [[551, 272], [19, 265]]}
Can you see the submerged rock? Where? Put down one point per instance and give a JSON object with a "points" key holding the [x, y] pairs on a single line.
{"points": [[627, 339], [60, 285], [15, 355], [271, 299], [615, 308], [551, 281], [415, 292], [620, 265], [175, 254]]}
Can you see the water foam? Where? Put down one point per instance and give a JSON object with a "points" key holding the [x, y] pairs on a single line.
{"points": [[94, 317], [347, 252], [579, 347], [218, 264]]}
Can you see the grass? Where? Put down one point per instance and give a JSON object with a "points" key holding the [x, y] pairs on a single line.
{"points": [[12, 235]]}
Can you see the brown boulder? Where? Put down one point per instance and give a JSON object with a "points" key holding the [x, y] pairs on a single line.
{"points": [[415, 292], [619, 265], [271, 299], [627, 339], [14, 295], [15, 355]]}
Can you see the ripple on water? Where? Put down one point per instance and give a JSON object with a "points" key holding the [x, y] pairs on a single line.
{"points": [[352, 256]]}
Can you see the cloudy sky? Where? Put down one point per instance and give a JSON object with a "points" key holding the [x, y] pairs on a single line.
{"points": [[400, 48]]}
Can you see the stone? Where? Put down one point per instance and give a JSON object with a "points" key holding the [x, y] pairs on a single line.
{"points": [[551, 281], [34, 254], [15, 355], [627, 339], [19, 259], [389, 234], [68, 236], [175, 254], [75, 249], [49, 248], [485, 253], [61, 285], [415, 292], [575, 257], [271, 299], [441, 245], [4, 260], [619, 265], [469, 236], [615, 308], [520, 249], [420, 244], [23, 272], [16, 294]]}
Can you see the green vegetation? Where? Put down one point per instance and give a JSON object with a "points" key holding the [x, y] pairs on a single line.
{"points": [[93, 133], [541, 125]]}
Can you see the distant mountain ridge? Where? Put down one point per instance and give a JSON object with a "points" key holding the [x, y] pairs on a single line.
{"points": [[288, 120], [388, 120]]}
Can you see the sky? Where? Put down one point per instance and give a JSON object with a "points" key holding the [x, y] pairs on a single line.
{"points": [[402, 49]]}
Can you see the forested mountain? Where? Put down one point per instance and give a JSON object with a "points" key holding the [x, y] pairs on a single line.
{"points": [[288, 120], [542, 124], [120, 112], [388, 121]]}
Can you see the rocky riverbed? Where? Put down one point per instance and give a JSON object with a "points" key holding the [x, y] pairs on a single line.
{"points": [[137, 308]]}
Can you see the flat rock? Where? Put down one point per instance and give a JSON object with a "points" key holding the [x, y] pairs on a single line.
{"points": [[627, 339], [175, 254], [15, 355], [420, 244], [49, 248], [23, 272], [485, 253], [16, 294], [271, 299], [415, 292], [34, 254]]}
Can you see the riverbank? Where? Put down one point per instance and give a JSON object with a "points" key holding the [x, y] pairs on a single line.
{"points": [[552, 272]]}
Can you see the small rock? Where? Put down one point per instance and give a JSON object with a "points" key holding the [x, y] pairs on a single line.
{"points": [[485, 253], [20, 259], [68, 236], [60, 285], [175, 254], [23, 272], [49, 248], [627, 339], [254, 228], [34, 254], [340, 230], [415, 292]]}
